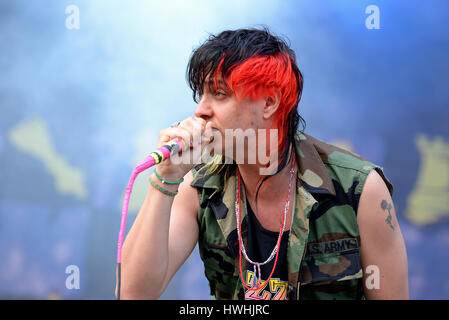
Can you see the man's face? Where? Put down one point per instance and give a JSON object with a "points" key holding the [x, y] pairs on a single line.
{"points": [[220, 106]]}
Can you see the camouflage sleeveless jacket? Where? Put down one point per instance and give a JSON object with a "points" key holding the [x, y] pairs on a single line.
{"points": [[323, 254]]}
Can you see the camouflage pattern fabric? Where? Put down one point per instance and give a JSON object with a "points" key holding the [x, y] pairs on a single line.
{"points": [[323, 254]]}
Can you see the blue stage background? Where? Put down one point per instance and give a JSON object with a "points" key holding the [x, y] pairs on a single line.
{"points": [[81, 107]]}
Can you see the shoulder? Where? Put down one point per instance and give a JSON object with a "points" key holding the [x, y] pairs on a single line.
{"points": [[336, 156], [376, 197], [375, 184], [349, 168]]}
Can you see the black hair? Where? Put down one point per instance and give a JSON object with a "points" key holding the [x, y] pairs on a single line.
{"points": [[233, 47]]}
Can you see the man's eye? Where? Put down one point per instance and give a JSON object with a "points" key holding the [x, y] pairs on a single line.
{"points": [[220, 93]]}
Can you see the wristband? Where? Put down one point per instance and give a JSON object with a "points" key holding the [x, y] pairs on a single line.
{"points": [[164, 191], [165, 181]]}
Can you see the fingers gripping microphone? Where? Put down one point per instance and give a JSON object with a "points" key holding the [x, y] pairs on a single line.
{"points": [[159, 155]]}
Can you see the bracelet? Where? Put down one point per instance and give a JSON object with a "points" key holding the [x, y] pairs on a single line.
{"points": [[165, 181], [164, 191]]}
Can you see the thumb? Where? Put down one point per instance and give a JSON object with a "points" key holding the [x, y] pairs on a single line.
{"points": [[208, 126], [207, 136], [208, 133]]}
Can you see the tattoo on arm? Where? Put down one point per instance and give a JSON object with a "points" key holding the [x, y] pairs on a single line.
{"points": [[387, 207]]}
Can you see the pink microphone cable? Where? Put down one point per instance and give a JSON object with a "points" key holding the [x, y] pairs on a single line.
{"points": [[166, 151]]}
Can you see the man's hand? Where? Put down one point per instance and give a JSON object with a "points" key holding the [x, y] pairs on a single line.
{"points": [[194, 131]]}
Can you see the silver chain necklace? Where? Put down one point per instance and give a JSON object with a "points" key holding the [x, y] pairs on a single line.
{"points": [[257, 272]]}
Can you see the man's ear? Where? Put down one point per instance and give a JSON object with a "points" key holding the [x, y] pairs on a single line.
{"points": [[271, 105]]}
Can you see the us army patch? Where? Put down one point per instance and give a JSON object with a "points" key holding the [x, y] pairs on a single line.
{"points": [[339, 245]]}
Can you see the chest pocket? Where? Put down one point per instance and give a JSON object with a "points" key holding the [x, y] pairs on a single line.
{"points": [[331, 271]]}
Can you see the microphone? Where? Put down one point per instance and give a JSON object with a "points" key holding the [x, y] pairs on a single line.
{"points": [[160, 154], [163, 153]]}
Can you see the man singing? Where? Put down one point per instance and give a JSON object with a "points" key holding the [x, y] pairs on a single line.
{"points": [[313, 221]]}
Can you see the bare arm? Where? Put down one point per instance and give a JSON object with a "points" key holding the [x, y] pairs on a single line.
{"points": [[161, 239], [166, 229], [382, 244]]}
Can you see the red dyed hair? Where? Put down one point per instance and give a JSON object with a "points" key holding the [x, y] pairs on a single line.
{"points": [[266, 75]]}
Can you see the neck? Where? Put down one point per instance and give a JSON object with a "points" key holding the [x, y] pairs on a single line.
{"points": [[257, 184]]}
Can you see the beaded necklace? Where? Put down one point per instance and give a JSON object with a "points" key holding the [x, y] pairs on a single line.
{"points": [[274, 254]]}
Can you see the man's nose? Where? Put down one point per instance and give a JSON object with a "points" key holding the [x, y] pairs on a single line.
{"points": [[204, 109]]}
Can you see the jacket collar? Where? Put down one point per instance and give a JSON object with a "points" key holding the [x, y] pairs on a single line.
{"points": [[312, 171]]}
